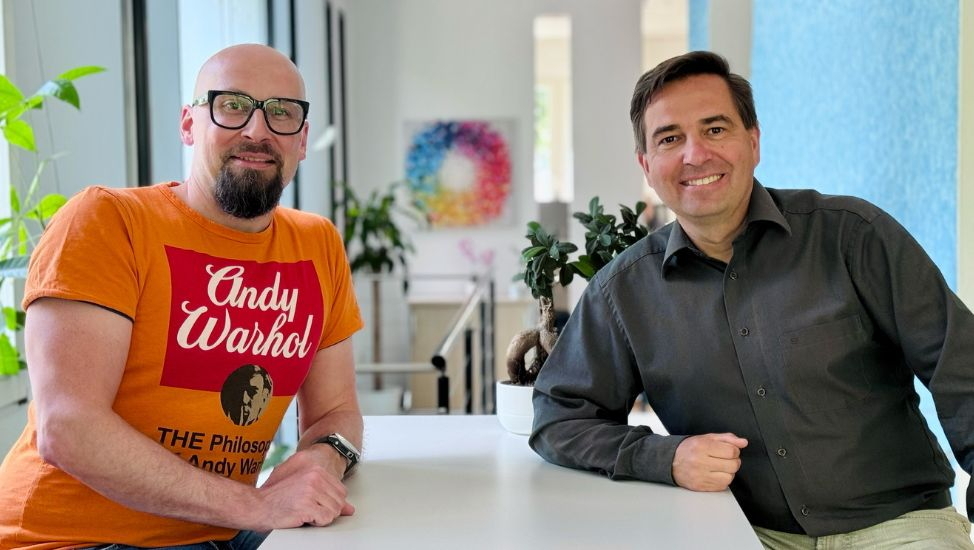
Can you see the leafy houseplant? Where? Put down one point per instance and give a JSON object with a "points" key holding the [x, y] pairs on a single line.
{"points": [[548, 260], [373, 238], [375, 244], [29, 210]]}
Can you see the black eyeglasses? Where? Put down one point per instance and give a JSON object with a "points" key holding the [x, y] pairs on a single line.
{"points": [[232, 110]]}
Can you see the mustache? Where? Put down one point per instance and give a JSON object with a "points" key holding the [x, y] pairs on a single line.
{"points": [[261, 148]]}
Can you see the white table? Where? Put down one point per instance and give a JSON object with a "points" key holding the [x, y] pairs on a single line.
{"points": [[462, 482]]}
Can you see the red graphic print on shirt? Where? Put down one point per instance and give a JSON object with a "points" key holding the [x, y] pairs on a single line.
{"points": [[227, 313]]}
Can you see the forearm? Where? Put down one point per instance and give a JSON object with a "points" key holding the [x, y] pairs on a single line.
{"points": [[104, 452], [328, 404], [572, 437], [347, 422]]}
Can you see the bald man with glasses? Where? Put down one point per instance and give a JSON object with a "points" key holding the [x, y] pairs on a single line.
{"points": [[142, 305]]}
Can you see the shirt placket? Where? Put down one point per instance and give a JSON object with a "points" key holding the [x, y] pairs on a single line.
{"points": [[751, 337]]}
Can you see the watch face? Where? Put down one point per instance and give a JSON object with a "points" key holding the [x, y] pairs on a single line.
{"points": [[348, 445]]}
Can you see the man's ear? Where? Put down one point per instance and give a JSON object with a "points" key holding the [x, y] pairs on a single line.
{"points": [[186, 125], [642, 162], [304, 141], [756, 143]]}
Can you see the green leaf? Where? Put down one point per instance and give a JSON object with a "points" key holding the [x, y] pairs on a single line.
{"points": [[628, 216], [12, 319], [14, 200], [593, 206], [78, 72], [567, 248], [10, 95], [583, 266], [565, 277], [19, 133], [14, 267], [23, 237], [47, 207], [61, 89], [9, 356]]}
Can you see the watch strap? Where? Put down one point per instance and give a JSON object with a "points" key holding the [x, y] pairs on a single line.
{"points": [[343, 447]]}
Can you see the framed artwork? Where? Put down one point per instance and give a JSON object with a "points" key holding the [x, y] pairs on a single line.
{"points": [[461, 171]]}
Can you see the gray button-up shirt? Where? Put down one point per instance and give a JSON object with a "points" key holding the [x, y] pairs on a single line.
{"points": [[806, 344]]}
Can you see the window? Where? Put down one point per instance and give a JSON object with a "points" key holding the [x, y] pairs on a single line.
{"points": [[553, 109]]}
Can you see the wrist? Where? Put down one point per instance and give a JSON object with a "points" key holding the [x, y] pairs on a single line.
{"points": [[348, 455]]}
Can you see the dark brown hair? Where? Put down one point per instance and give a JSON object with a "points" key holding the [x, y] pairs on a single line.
{"points": [[678, 68]]}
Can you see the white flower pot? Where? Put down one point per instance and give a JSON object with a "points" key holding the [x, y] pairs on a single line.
{"points": [[514, 408]]}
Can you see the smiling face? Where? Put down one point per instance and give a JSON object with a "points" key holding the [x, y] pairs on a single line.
{"points": [[699, 157], [244, 171]]}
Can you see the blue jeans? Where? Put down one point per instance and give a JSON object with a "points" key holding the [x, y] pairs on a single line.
{"points": [[245, 540]]}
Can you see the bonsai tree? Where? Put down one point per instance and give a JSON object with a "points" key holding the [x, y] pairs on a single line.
{"points": [[548, 260], [29, 210]]}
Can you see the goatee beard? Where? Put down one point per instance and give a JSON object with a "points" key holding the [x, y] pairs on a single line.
{"points": [[248, 194]]}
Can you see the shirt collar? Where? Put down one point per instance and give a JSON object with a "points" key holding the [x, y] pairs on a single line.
{"points": [[761, 208]]}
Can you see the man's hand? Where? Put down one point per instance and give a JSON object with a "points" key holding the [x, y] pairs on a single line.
{"points": [[306, 489], [707, 462]]}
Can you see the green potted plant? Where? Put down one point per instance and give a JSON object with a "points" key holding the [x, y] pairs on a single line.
{"points": [[548, 261], [29, 210], [376, 244], [25, 217]]}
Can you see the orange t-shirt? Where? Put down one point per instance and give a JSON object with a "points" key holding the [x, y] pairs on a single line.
{"points": [[225, 325]]}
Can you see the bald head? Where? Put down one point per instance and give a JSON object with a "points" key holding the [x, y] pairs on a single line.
{"points": [[240, 168], [258, 70]]}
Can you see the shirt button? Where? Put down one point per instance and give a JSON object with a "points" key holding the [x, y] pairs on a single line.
{"points": [[733, 275], [804, 510], [745, 331], [761, 391], [782, 452]]}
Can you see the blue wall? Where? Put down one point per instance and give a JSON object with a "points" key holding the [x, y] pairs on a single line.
{"points": [[699, 25], [859, 97]]}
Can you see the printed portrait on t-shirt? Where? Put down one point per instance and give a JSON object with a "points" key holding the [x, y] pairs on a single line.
{"points": [[246, 394]]}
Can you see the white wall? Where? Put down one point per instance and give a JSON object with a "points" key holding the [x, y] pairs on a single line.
{"points": [[429, 59], [730, 33], [965, 158], [96, 139]]}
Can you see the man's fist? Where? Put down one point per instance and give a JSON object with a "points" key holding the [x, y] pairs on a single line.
{"points": [[707, 462]]}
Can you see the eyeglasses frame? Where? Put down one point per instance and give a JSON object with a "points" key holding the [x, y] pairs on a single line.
{"points": [[258, 104]]}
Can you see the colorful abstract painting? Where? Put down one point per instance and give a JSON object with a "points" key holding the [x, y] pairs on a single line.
{"points": [[461, 170]]}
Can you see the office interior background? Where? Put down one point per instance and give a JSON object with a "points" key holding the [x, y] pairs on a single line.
{"points": [[873, 98]]}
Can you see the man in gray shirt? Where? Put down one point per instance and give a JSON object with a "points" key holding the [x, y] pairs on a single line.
{"points": [[776, 334]]}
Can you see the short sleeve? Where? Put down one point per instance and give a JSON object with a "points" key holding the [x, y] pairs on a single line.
{"points": [[343, 316], [85, 254]]}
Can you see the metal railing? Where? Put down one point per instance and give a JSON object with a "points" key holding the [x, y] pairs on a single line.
{"points": [[480, 299], [479, 302]]}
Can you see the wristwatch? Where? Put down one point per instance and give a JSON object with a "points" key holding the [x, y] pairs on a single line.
{"points": [[344, 448]]}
